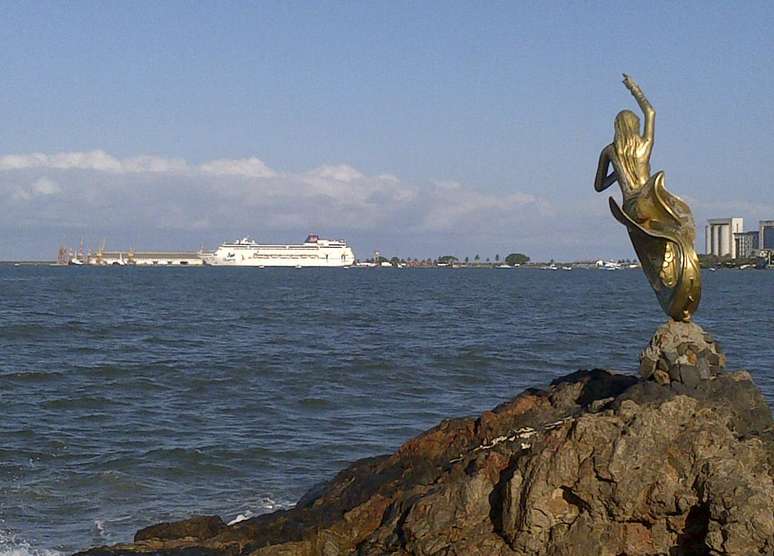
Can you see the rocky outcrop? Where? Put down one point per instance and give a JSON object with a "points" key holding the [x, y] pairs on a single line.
{"points": [[598, 463], [681, 352]]}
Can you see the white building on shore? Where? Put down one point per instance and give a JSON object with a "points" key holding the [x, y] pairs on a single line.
{"points": [[140, 258], [719, 236], [766, 234]]}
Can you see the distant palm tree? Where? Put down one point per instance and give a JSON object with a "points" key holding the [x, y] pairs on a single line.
{"points": [[467, 260], [476, 258], [497, 258]]}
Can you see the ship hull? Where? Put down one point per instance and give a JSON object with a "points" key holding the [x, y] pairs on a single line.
{"points": [[212, 260]]}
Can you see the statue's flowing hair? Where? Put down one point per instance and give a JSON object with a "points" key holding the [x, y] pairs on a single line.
{"points": [[626, 141]]}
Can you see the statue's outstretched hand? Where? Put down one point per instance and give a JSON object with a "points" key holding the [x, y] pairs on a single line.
{"points": [[631, 84]]}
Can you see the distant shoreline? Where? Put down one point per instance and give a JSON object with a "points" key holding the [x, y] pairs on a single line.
{"points": [[29, 263], [484, 266]]}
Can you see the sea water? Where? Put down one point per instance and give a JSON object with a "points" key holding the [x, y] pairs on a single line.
{"points": [[131, 396]]}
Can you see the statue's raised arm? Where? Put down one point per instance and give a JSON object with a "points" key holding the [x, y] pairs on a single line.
{"points": [[629, 153], [647, 110]]}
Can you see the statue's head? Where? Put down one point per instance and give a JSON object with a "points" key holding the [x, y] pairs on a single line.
{"points": [[627, 126]]}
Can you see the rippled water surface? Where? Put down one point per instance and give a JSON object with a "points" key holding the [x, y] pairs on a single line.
{"points": [[131, 396]]}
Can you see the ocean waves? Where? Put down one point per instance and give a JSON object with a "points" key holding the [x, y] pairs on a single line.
{"points": [[145, 395]]}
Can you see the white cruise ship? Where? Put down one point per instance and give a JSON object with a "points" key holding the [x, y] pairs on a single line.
{"points": [[313, 252]]}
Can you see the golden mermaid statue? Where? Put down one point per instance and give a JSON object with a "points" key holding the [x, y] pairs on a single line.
{"points": [[660, 224]]}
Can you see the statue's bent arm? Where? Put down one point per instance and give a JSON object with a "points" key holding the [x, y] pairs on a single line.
{"points": [[602, 181]]}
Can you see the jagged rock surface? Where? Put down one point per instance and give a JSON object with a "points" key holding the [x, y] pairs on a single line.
{"points": [[598, 463]]}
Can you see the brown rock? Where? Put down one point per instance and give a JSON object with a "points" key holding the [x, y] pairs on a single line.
{"points": [[689, 375], [198, 528], [741, 375], [716, 358], [647, 366]]}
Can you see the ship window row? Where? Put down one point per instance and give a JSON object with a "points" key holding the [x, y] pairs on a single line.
{"points": [[306, 247], [264, 256], [285, 247]]}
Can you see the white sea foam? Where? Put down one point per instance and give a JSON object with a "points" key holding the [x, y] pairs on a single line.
{"points": [[241, 517], [263, 505], [12, 545]]}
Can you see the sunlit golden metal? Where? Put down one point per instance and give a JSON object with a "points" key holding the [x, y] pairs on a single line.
{"points": [[660, 224]]}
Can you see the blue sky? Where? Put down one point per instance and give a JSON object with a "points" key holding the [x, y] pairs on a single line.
{"points": [[415, 128]]}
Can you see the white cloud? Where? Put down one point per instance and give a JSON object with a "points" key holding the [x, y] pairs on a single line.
{"points": [[338, 172], [93, 160], [352, 188], [452, 204], [95, 190], [247, 167], [45, 186], [40, 187], [153, 164]]}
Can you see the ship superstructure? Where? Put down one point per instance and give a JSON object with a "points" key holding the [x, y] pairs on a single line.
{"points": [[313, 252]]}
